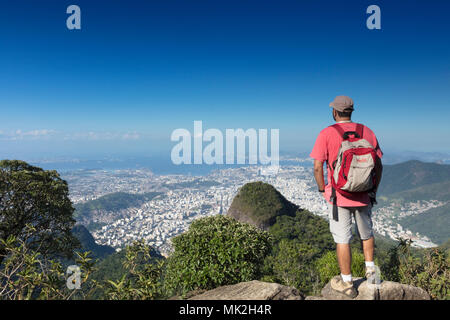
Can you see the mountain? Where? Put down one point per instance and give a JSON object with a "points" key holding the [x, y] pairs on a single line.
{"points": [[88, 243], [259, 204], [93, 213], [434, 191], [414, 181], [410, 175], [434, 223]]}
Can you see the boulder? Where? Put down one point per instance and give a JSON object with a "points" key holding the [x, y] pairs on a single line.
{"points": [[251, 290], [259, 290], [387, 290]]}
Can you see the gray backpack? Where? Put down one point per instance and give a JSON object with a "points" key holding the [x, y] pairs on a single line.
{"points": [[354, 169]]}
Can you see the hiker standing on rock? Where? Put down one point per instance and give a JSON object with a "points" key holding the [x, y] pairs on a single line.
{"points": [[353, 159]]}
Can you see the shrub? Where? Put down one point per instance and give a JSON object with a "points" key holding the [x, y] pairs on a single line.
{"points": [[430, 272], [328, 267], [216, 251], [142, 280], [27, 274], [292, 265]]}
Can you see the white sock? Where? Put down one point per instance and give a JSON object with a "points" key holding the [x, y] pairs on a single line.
{"points": [[370, 264], [346, 277]]}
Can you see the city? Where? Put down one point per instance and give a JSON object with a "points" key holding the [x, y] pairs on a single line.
{"points": [[184, 198]]}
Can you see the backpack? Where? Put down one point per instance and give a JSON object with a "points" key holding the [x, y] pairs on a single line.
{"points": [[354, 169]]}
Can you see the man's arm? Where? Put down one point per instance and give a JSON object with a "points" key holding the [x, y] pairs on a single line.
{"points": [[378, 172], [318, 174]]}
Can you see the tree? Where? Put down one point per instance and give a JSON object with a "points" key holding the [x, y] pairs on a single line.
{"points": [[26, 274], [32, 196]]}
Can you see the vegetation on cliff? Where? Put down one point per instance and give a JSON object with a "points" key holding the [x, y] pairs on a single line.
{"points": [[259, 203]]}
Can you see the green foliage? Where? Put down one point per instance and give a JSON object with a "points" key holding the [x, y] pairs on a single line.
{"points": [[109, 268], [446, 247], [298, 241], [32, 196], [291, 265], [215, 251], [27, 274], [113, 202], [431, 272], [88, 243], [261, 203], [305, 228], [328, 267], [143, 278]]}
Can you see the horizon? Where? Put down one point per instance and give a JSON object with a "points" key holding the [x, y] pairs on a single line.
{"points": [[161, 165], [137, 71]]}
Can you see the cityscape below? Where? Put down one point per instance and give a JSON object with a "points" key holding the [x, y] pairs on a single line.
{"points": [[180, 198]]}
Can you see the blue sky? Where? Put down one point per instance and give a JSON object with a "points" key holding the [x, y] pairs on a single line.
{"points": [[137, 70]]}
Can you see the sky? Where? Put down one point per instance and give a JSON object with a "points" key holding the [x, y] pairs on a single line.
{"points": [[138, 70]]}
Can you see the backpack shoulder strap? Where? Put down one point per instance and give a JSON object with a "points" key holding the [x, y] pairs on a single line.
{"points": [[360, 129], [339, 130], [341, 133]]}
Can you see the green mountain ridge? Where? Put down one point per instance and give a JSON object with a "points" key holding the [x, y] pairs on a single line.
{"points": [[87, 242], [434, 191], [412, 174], [434, 223], [259, 203], [413, 181], [112, 202]]}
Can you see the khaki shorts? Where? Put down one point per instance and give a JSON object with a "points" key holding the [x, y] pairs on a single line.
{"points": [[342, 229]]}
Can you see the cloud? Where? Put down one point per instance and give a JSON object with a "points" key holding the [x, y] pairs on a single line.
{"points": [[27, 135], [102, 135], [131, 136], [47, 134]]}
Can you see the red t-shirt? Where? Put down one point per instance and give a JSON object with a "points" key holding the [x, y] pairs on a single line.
{"points": [[326, 148]]}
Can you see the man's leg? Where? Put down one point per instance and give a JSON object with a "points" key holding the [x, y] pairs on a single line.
{"points": [[363, 218], [342, 235], [368, 246], [344, 257]]}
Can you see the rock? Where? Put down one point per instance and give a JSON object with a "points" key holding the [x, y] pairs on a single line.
{"points": [[388, 290], [315, 298], [259, 290], [397, 291], [188, 295], [251, 290]]}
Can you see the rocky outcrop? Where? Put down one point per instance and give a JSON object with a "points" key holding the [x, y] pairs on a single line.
{"points": [[387, 290], [259, 290], [251, 290]]}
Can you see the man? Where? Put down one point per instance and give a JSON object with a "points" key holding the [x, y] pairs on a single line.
{"points": [[358, 204]]}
